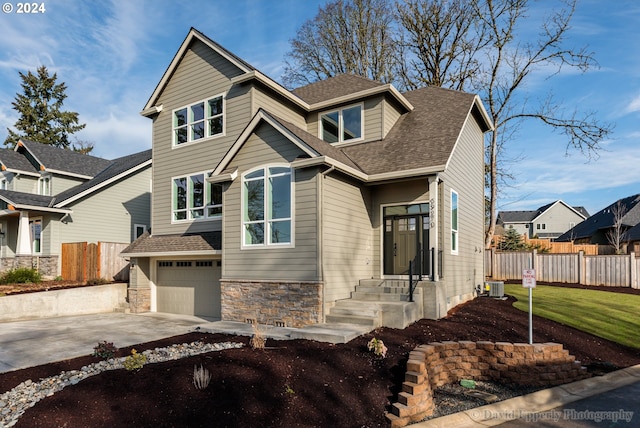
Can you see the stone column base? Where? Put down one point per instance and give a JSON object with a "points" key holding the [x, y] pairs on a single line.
{"points": [[139, 299]]}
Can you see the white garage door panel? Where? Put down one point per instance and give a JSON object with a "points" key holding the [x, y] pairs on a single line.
{"points": [[189, 290]]}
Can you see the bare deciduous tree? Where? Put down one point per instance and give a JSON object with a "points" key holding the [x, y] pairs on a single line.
{"points": [[510, 62], [352, 36], [616, 235], [440, 43]]}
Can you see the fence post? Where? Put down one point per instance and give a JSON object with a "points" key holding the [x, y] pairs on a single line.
{"points": [[633, 266], [534, 259], [581, 267]]}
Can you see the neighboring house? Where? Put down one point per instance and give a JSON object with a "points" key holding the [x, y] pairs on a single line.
{"points": [[272, 204], [50, 196], [594, 229], [548, 221]]}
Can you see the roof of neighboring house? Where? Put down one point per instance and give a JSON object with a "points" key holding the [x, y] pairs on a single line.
{"points": [[604, 219], [114, 170], [530, 216], [192, 243], [59, 160], [117, 168], [15, 162], [18, 199]]}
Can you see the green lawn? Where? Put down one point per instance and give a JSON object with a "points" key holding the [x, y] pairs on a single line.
{"points": [[612, 316]]}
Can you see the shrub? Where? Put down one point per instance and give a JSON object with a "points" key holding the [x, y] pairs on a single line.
{"points": [[258, 340], [378, 348], [104, 350], [201, 377], [20, 276], [58, 278], [135, 361]]}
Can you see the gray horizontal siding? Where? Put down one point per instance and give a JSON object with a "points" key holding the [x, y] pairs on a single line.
{"points": [[267, 146], [347, 236], [201, 74]]}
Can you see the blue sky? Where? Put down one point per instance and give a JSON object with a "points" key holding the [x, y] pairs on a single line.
{"points": [[111, 55]]}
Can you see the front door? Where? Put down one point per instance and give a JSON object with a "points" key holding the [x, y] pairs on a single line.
{"points": [[406, 235]]}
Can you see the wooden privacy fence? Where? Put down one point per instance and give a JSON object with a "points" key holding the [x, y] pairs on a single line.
{"points": [[577, 268], [82, 261], [554, 247]]}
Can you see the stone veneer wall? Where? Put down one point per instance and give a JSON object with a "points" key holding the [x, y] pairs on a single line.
{"points": [[295, 304], [139, 299], [46, 265], [436, 364]]}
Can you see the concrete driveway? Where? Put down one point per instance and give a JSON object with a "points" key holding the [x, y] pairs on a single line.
{"points": [[34, 342]]}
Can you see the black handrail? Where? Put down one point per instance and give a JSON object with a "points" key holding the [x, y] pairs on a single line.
{"points": [[416, 262]]}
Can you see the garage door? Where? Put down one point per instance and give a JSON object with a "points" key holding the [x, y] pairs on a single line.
{"points": [[189, 287]]}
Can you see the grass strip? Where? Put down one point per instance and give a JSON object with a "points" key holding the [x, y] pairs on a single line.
{"points": [[612, 316]]}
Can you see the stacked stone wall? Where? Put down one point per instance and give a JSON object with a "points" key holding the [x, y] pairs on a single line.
{"points": [[293, 304], [433, 365], [46, 265]]}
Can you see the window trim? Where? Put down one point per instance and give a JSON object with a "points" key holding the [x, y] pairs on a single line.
{"points": [[190, 140], [32, 222], [188, 209], [44, 185], [135, 230], [341, 124], [266, 221], [455, 232]]}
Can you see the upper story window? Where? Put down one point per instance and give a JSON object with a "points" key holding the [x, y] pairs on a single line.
{"points": [[195, 199], [266, 198], [44, 185], [342, 125], [197, 121]]}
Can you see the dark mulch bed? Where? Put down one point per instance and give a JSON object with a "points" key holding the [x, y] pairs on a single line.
{"points": [[292, 383]]}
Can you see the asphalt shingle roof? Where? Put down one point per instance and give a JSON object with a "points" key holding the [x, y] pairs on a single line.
{"points": [[206, 241], [604, 219], [52, 157], [115, 168], [22, 198], [424, 137], [334, 87], [16, 161]]}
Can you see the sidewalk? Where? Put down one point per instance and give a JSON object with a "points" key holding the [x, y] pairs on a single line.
{"points": [[596, 401]]}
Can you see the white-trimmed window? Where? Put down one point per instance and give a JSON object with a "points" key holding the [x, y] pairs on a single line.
{"points": [[35, 227], [197, 121], [44, 185], [139, 230], [454, 222], [195, 199], [340, 126], [266, 206]]}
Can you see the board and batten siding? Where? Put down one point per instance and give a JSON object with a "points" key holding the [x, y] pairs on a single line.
{"points": [[201, 74], [404, 193], [299, 263], [347, 236], [464, 175]]}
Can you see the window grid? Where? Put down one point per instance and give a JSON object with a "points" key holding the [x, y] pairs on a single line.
{"points": [[454, 222], [195, 199], [199, 120]]}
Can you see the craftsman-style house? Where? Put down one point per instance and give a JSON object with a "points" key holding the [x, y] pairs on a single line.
{"points": [[50, 196], [280, 206]]}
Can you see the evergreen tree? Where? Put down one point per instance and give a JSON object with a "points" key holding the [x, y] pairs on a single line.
{"points": [[41, 117], [512, 241]]}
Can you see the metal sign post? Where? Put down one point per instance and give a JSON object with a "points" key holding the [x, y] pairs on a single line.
{"points": [[529, 281]]}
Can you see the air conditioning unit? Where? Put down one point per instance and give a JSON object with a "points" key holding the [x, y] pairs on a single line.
{"points": [[495, 288]]}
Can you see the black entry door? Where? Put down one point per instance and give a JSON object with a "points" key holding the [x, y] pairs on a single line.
{"points": [[404, 237]]}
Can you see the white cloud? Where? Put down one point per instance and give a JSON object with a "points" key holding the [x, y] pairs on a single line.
{"points": [[634, 105]]}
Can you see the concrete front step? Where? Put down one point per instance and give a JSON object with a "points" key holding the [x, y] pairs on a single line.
{"points": [[369, 321], [383, 297]]}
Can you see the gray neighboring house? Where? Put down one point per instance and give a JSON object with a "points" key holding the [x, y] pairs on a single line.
{"points": [[595, 228], [50, 196], [548, 221], [273, 205]]}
